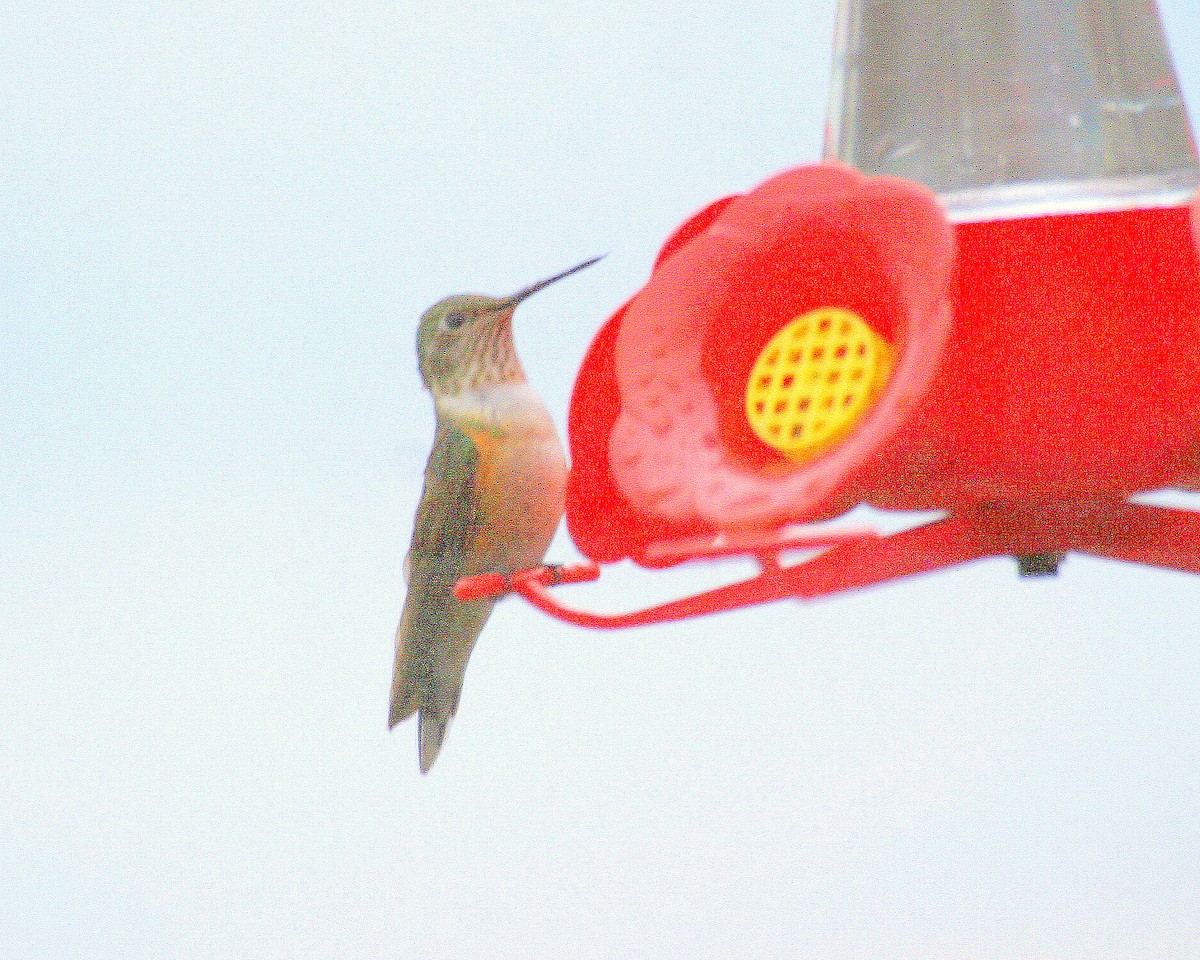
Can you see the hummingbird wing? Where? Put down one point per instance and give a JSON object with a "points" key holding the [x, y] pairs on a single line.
{"points": [[437, 631]]}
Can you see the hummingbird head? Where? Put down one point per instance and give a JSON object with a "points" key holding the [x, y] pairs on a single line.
{"points": [[465, 341]]}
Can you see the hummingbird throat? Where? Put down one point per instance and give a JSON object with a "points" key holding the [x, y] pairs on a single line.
{"points": [[490, 358]]}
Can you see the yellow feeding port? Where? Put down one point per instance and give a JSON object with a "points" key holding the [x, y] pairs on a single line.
{"points": [[815, 380]]}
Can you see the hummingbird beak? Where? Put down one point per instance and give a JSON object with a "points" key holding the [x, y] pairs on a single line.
{"points": [[509, 302]]}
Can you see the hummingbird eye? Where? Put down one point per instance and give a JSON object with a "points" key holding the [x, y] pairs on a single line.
{"points": [[455, 319]]}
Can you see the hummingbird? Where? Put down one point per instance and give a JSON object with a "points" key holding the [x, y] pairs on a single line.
{"points": [[492, 500]]}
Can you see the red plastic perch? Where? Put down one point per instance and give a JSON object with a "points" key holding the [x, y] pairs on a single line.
{"points": [[1151, 535]]}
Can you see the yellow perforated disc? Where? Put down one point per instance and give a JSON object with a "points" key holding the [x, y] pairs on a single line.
{"points": [[816, 379]]}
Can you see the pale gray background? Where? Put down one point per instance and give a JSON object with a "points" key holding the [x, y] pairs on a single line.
{"points": [[220, 221]]}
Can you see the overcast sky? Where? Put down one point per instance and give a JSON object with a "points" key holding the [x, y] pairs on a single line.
{"points": [[220, 221]]}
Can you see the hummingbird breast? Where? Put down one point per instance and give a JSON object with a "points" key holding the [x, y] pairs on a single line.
{"points": [[521, 480]]}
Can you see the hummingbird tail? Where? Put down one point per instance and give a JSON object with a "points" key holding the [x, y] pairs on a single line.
{"points": [[404, 700], [431, 731], [433, 699], [432, 723]]}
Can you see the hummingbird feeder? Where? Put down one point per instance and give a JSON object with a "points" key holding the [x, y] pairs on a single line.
{"points": [[985, 302]]}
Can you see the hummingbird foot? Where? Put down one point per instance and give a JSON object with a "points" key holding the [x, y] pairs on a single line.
{"points": [[489, 586]]}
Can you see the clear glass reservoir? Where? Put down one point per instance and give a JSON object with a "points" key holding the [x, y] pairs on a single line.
{"points": [[1012, 108]]}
